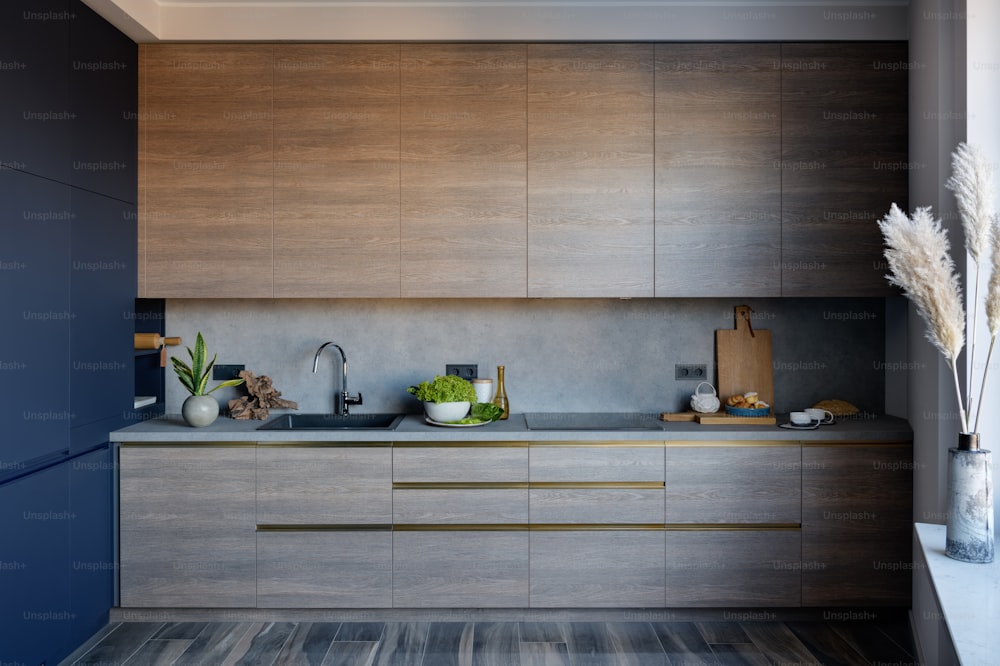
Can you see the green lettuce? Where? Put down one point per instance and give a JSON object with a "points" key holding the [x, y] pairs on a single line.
{"points": [[444, 388]]}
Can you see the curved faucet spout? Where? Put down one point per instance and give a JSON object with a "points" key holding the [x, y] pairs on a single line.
{"points": [[341, 398]]}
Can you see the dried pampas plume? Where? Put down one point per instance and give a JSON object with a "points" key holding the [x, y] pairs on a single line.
{"points": [[972, 182], [993, 290], [921, 266]]}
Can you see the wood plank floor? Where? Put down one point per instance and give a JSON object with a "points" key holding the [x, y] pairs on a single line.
{"points": [[765, 643]]}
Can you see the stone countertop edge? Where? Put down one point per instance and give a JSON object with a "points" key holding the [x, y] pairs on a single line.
{"points": [[172, 429], [966, 595]]}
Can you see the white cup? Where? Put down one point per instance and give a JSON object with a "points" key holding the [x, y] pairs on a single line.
{"points": [[484, 389], [801, 418], [820, 415]]}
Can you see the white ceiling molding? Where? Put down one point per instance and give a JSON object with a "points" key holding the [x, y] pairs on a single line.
{"points": [[504, 20]]}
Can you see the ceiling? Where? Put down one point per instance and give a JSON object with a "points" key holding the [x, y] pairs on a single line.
{"points": [[499, 20]]}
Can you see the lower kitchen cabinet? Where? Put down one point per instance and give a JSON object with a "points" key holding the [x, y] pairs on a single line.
{"points": [[326, 484], [187, 526], [324, 569], [733, 567], [856, 524], [597, 568], [462, 568]]}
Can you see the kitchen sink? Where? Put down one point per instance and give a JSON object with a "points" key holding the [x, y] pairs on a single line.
{"points": [[334, 422], [591, 421]]}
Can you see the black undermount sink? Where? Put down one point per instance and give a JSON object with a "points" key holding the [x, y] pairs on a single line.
{"points": [[334, 422], [591, 421]]}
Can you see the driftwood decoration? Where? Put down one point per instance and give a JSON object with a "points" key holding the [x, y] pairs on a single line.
{"points": [[263, 397]]}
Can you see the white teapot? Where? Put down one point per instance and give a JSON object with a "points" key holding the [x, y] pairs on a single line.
{"points": [[703, 402]]}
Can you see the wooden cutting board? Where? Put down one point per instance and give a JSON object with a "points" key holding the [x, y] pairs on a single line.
{"points": [[719, 418], [743, 359]]}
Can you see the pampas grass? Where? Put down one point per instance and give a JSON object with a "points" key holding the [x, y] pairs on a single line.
{"points": [[917, 250], [920, 265]]}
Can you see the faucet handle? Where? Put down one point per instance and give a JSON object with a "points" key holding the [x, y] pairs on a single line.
{"points": [[352, 399]]}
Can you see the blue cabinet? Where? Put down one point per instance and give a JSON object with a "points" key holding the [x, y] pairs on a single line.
{"points": [[102, 289], [35, 220], [35, 613], [67, 292], [36, 115]]}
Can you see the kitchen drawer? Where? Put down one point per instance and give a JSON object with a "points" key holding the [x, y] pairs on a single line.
{"points": [[597, 568], [460, 569], [741, 567], [324, 569], [602, 462], [324, 485], [444, 506], [734, 484], [597, 505], [460, 463]]}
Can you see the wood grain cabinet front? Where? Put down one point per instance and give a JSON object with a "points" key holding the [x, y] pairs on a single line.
{"points": [[718, 180], [186, 526], [461, 568], [857, 515], [733, 484], [205, 170], [590, 170], [336, 170], [844, 159], [463, 181], [324, 569], [324, 485], [726, 567]]}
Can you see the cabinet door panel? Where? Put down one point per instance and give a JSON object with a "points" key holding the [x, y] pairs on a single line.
{"points": [[844, 159], [857, 511], [187, 526], [462, 464], [756, 484], [596, 463], [599, 568], [463, 569], [335, 569], [324, 485], [336, 170], [463, 181], [717, 568], [35, 221], [590, 170], [207, 170], [460, 506], [718, 180], [597, 505]]}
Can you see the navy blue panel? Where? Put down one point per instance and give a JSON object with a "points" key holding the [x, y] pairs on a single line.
{"points": [[35, 610], [92, 560], [36, 117], [103, 281], [104, 95], [35, 219]]}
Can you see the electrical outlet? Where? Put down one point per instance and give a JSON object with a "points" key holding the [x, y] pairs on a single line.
{"points": [[465, 371], [697, 371], [224, 372]]}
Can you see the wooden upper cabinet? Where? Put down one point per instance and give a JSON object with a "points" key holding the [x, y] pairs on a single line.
{"points": [[463, 180], [844, 163], [336, 170], [205, 170], [718, 181], [590, 170]]}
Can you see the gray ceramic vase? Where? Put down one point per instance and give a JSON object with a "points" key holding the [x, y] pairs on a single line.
{"points": [[969, 536], [200, 410]]}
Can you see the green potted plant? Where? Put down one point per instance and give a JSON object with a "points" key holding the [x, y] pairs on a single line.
{"points": [[200, 408]]}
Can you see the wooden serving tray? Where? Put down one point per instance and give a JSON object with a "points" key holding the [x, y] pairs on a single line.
{"points": [[718, 418]]}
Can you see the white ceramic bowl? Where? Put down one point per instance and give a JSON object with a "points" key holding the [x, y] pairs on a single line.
{"points": [[443, 412]]}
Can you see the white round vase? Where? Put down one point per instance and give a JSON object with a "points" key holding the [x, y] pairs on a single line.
{"points": [[969, 536], [200, 410]]}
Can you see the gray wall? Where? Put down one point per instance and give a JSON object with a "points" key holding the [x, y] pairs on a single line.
{"points": [[560, 355]]}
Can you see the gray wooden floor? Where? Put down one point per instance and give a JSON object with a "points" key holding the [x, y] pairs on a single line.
{"points": [[501, 643]]}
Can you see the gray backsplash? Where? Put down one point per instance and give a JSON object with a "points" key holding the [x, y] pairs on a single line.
{"points": [[560, 354]]}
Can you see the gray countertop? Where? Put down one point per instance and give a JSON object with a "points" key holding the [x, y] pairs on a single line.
{"points": [[171, 428]]}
